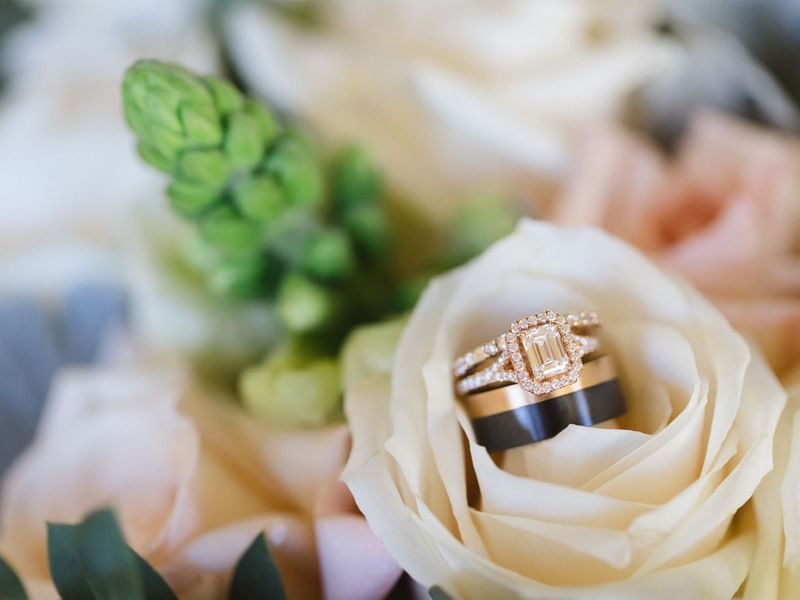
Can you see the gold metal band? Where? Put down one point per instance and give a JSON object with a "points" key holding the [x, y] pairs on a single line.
{"points": [[510, 397]]}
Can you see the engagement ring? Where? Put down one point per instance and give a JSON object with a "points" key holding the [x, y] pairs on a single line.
{"points": [[542, 353]]}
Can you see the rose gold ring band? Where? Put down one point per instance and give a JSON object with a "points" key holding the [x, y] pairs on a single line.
{"points": [[482, 404]]}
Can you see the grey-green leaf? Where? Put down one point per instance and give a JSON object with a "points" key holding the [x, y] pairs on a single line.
{"points": [[256, 574], [437, 593], [63, 553], [11, 587], [110, 568], [155, 587], [91, 561]]}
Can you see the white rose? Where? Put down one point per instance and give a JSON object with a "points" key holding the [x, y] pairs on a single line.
{"points": [[69, 165], [193, 480], [450, 94], [647, 510], [72, 181]]}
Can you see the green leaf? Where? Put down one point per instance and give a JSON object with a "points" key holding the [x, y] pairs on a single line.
{"points": [[66, 570], [111, 570], [92, 561], [256, 574], [11, 587], [155, 587]]}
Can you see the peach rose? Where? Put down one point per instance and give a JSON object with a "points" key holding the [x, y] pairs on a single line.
{"points": [[453, 96], [193, 480], [724, 213], [652, 509]]}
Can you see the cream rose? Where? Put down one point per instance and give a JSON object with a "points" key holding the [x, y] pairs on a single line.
{"points": [[451, 95], [723, 213], [776, 566], [193, 481], [650, 509]]}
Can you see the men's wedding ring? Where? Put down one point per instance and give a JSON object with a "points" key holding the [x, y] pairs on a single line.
{"points": [[509, 417]]}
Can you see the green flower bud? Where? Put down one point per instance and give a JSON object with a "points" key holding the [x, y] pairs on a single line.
{"points": [[208, 167], [478, 224], [224, 229], [191, 199], [227, 98], [268, 127], [154, 157], [160, 108], [244, 145], [201, 124], [293, 388], [199, 255], [167, 145], [241, 277], [369, 226], [305, 306], [259, 198], [294, 166], [369, 351], [169, 109], [356, 179], [328, 255]]}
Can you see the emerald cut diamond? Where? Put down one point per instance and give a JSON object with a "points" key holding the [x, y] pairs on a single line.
{"points": [[545, 350]]}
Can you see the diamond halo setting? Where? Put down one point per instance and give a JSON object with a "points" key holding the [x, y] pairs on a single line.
{"points": [[544, 352]]}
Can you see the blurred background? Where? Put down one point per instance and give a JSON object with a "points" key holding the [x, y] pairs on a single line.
{"points": [[470, 108]]}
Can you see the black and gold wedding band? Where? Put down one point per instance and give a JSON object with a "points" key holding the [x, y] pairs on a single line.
{"points": [[509, 416]]}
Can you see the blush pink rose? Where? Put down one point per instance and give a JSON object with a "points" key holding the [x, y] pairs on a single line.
{"points": [[193, 480], [724, 212]]}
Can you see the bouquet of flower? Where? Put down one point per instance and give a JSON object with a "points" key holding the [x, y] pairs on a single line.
{"points": [[401, 300]]}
